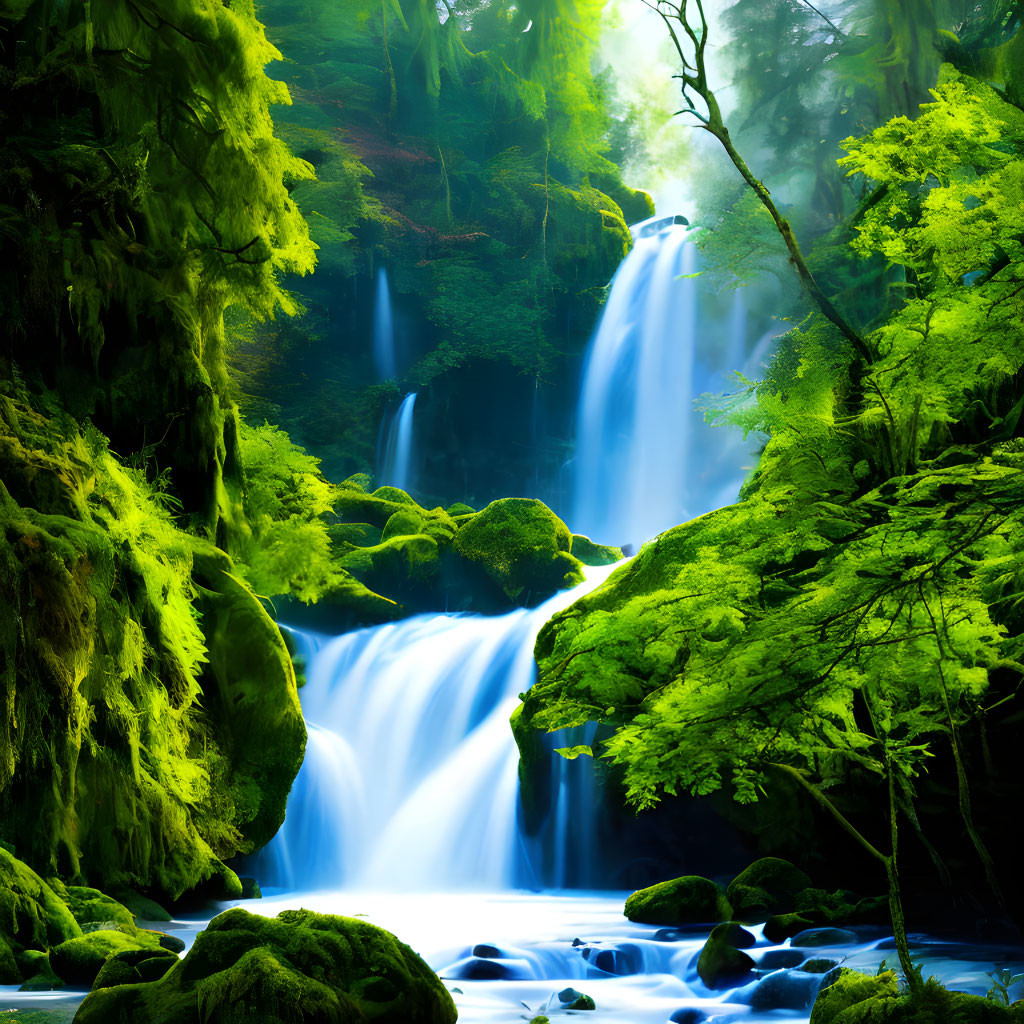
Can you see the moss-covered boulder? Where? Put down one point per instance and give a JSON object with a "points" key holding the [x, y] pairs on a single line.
{"points": [[292, 969], [141, 907], [722, 962], [32, 915], [523, 547], [769, 885], [10, 973], [78, 961], [251, 692], [780, 927], [591, 553], [841, 907], [690, 899], [35, 968], [134, 966], [93, 910], [851, 987]]}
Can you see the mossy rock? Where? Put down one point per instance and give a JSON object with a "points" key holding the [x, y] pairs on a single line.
{"points": [[777, 879], [357, 535], [403, 523], [141, 907], [841, 907], [10, 973], [721, 963], [523, 547], [295, 968], [591, 553], [250, 688], [750, 904], [132, 967], [780, 927], [78, 961], [395, 564], [690, 899], [93, 910], [32, 915], [460, 508]]}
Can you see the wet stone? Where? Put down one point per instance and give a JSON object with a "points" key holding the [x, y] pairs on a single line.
{"points": [[778, 959], [785, 990], [820, 965], [485, 950], [688, 1015], [811, 937]]}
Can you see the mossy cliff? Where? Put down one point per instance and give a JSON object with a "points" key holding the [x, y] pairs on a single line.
{"points": [[142, 192], [137, 738]]}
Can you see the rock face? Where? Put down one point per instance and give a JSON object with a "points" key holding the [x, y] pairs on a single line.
{"points": [[686, 900], [297, 967]]}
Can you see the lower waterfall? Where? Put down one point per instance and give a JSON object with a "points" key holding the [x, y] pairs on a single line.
{"points": [[410, 779]]}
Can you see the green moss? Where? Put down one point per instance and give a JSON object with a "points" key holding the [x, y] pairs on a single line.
{"points": [[591, 553], [93, 910], [297, 967], [256, 704], [10, 974], [32, 915], [522, 546], [721, 963], [767, 886], [686, 900], [141, 906], [460, 508], [856, 998], [131, 967], [78, 961], [851, 987]]}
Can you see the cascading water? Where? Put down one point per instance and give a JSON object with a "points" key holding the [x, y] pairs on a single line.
{"points": [[645, 459], [395, 457], [410, 778], [384, 356]]}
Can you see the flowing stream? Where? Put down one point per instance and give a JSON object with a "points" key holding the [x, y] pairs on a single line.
{"points": [[384, 356]]}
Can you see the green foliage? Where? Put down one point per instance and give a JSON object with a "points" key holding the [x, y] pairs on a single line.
{"points": [[144, 185], [113, 770], [854, 611]]}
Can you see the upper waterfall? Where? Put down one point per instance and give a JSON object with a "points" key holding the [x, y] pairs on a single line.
{"points": [[384, 357], [645, 459]]}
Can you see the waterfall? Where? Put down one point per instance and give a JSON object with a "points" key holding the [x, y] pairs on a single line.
{"points": [[384, 358], [645, 459], [410, 778], [394, 462]]}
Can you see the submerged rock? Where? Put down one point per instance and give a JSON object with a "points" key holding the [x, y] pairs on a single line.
{"points": [[785, 990], [571, 999], [297, 967], [690, 899]]}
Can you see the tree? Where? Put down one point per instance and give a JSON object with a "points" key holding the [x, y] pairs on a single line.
{"points": [[851, 613]]}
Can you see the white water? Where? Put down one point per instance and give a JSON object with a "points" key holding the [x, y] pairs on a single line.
{"points": [[395, 459], [645, 459], [384, 357], [410, 778]]}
